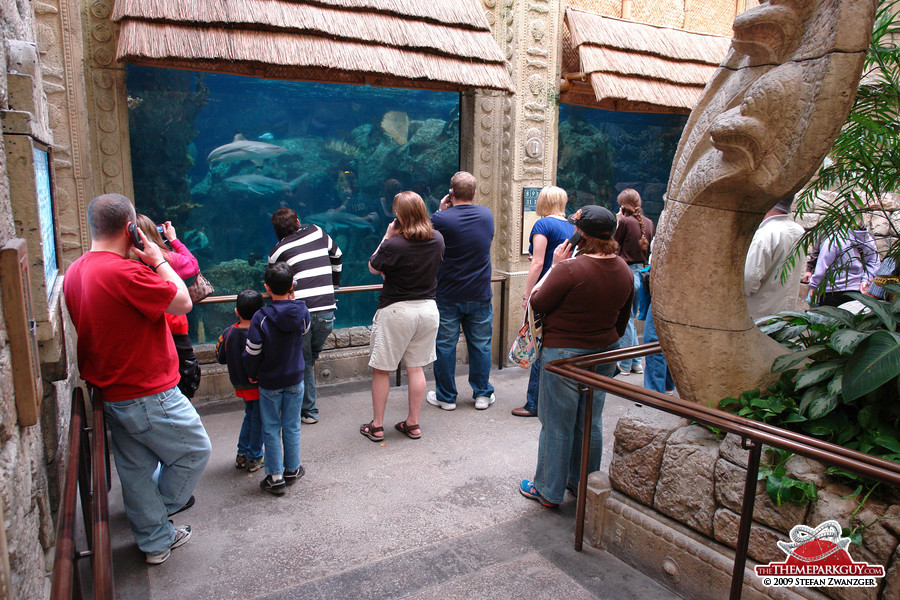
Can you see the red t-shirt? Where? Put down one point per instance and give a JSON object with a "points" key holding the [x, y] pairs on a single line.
{"points": [[124, 344]]}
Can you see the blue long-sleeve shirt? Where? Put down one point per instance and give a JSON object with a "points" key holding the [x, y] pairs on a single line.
{"points": [[274, 351]]}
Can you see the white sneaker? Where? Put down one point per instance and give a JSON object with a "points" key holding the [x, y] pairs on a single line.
{"points": [[482, 402], [182, 535], [637, 368], [431, 398]]}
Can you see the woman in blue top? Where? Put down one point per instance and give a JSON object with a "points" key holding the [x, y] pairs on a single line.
{"points": [[551, 230]]}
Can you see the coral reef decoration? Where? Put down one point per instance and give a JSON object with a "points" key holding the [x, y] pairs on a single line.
{"points": [[396, 125], [759, 131]]}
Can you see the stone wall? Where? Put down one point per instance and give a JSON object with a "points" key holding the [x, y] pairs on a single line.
{"points": [[35, 106], [344, 358], [686, 473]]}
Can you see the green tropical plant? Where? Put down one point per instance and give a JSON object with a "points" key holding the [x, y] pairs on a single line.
{"points": [[864, 162]]}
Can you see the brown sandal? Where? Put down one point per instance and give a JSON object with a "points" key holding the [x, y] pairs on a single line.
{"points": [[369, 430], [407, 429]]}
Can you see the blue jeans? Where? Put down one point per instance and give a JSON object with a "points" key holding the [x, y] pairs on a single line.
{"points": [[157, 431], [656, 376], [561, 412], [534, 385], [320, 325], [630, 337], [280, 412], [476, 319], [250, 441]]}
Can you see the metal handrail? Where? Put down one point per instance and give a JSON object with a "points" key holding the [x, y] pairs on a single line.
{"points": [[86, 473], [355, 289], [753, 435]]}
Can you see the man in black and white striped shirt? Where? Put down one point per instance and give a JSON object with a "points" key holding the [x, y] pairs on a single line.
{"points": [[316, 263]]}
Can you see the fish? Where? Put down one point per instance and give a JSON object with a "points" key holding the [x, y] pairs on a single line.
{"points": [[267, 137], [252, 257], [262, 185], [194, 240], [338, 219], [243, 149]]}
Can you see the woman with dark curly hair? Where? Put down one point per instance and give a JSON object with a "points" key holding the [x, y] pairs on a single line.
{"points": [[634, 234]]}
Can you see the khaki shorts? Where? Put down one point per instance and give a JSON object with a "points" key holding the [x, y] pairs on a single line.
{"points": [[404, 331]]}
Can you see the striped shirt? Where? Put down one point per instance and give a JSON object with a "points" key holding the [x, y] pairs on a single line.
{"points": [[316, 262]]}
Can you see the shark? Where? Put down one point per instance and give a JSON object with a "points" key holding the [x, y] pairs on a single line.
{"points": [[262, 185], [338, 219], [243, 149]]}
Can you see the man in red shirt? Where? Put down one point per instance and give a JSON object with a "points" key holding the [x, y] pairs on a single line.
{"points": [[126, 351]]}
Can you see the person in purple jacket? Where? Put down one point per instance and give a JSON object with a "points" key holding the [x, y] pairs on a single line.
{"points": [[846, 260], [273, 358]]}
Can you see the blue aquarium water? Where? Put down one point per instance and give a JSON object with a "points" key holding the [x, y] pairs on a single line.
{"points": [[337, 154], [602, 152]]}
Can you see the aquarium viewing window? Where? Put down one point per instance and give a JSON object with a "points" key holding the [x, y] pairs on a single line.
{"points": [[602, 152], [218, 154]]}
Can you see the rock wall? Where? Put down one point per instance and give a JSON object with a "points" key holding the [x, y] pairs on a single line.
{"points": [[37, 88], [686, 473]]}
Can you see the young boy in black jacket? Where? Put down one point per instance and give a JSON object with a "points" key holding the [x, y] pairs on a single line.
{"points": [[273, 358], [229, 349]]}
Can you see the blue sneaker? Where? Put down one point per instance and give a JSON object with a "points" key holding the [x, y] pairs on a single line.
{"points": [[527, 489]]}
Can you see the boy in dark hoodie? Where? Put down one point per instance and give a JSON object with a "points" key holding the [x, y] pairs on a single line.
{"points": [[273, 358], [229, 350]]}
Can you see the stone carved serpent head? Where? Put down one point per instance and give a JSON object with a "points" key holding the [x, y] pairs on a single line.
{"points": [[759, 131]]}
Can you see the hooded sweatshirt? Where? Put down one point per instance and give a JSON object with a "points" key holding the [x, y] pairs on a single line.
{"points": [[852, 256], [274, 351]]}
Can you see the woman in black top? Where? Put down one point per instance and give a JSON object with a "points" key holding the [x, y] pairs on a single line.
{"points": [[406, 322]]}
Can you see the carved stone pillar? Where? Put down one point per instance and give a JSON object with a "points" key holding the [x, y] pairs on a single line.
{"points": [[62, 68], [759, 131], [513, 138], [107, 102]]}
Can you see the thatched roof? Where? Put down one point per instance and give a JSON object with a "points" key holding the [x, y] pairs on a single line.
{"points": [[430, 44], [634, 66]]}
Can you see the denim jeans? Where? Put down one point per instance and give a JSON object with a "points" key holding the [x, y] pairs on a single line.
{"points": [[630, 337], [476, 319], [250, 441], [534, 385], [656, 376], [561, 412], [320, 325], [157, 431], [280, 411]]}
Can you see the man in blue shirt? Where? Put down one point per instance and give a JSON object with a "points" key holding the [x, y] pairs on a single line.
{"points": [[464, 293]]}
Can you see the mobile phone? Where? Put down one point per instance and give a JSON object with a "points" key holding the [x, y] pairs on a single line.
{"points": [[575, 239], [159, 228], [135, 238]]}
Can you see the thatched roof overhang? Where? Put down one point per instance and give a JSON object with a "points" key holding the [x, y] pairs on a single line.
{"points": [[623, 65], [440, 45]]}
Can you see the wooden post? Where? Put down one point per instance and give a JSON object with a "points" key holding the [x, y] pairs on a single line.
{"points": [[16, 290]]}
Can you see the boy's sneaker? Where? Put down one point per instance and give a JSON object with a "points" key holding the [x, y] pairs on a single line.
{"points": [[431, 398], [482, 402], [527, 489], [309, 420], [291, 477], [637, 368], [253, 464], [240, 461], [273, 487], [182, 535]]}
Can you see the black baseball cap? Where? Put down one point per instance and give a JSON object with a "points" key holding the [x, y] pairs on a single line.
{"points": [[595, 221]]}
